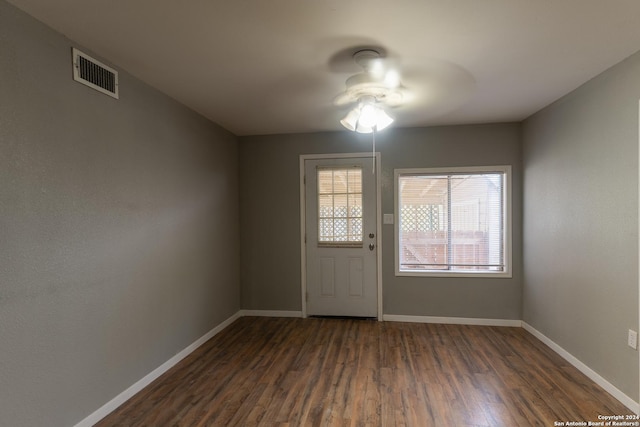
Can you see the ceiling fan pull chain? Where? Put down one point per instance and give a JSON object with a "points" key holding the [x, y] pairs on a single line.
{"points": [[373, 154]]}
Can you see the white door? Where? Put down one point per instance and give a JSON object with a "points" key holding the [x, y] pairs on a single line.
{"points": [[340, 221]]}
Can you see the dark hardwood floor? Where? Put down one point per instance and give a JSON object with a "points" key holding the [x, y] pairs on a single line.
{"points": [[331, 372]]}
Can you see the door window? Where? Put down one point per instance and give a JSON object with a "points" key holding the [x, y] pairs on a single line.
{"points": [[340, 206]]}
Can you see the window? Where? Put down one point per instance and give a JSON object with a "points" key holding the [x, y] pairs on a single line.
{"points": [[340, 207], [453, 222]]}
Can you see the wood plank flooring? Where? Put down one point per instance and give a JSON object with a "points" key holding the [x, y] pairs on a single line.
{"points": [[337, 372]]}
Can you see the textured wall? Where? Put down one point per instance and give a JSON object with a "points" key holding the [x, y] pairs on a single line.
{"points": [[118, 231], [270, 221], [581, 223]]}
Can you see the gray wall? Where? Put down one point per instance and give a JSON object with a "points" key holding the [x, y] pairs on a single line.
{"points": [[581, 223], [270, 219], [118, 231]]}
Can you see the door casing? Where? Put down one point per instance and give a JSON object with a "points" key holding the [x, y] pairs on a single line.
{"points": [[303, 225]]}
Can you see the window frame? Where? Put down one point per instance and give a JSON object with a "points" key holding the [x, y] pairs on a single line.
{"points": [[506, 215]]}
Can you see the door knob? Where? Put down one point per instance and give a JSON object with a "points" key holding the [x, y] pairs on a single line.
{"points": [[371, 246]]}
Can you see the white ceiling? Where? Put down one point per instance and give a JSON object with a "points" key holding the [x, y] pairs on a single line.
{"points": [[275, 66]]}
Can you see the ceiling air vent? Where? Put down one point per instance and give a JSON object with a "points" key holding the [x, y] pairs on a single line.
{"points": [[94, 74]]}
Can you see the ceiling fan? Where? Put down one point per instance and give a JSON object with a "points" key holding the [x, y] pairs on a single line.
{"points": [[376, 87]]}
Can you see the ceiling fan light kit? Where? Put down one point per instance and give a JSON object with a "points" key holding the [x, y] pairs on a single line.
{"points": [[366, 117], [370, 89]]}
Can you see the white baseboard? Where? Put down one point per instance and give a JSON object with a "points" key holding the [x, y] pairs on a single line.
{"points": [[270, 313], [452, 320], [594, 376], [110, 406]]}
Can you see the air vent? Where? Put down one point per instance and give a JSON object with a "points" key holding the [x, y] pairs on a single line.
{"points": [[94, 74]]}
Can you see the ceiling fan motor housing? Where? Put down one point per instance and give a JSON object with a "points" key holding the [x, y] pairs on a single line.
{"points": [[366, 58], [371, 82]]}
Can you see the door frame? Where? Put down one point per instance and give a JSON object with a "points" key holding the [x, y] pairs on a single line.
{"points": [[303, 225]]}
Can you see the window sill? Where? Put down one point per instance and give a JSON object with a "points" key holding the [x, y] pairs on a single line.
{"points": [[474, 275]]}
